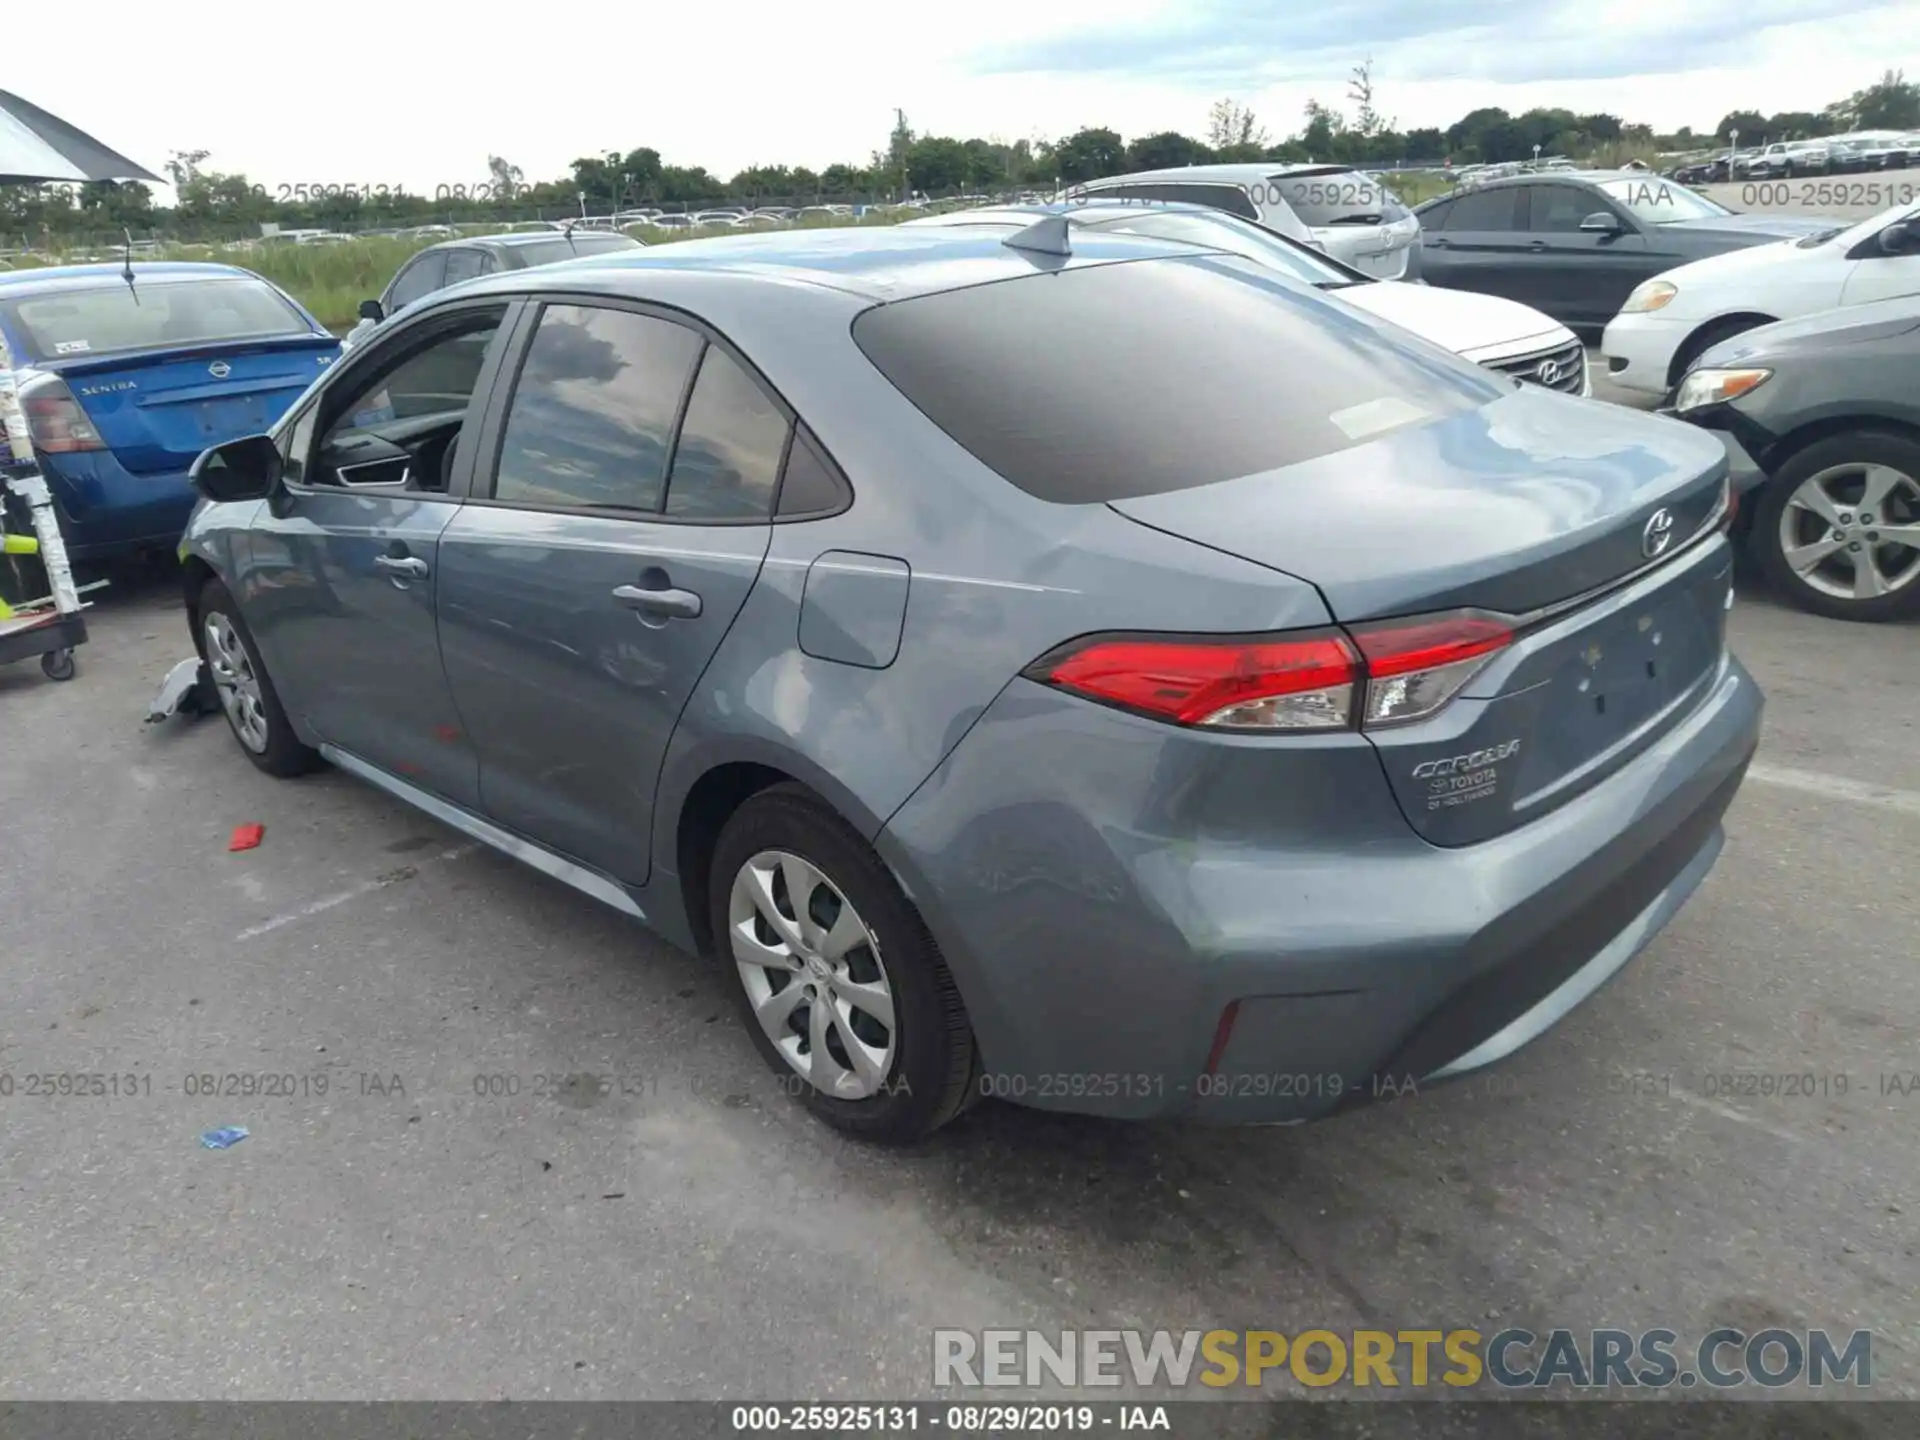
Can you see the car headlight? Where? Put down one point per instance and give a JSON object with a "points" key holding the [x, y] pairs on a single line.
{"points": [[1653, 295], [1714, 387]]}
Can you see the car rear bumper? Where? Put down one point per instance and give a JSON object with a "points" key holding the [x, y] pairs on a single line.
{"points": [[106, 510], [1638, 351], [1127, 945]]}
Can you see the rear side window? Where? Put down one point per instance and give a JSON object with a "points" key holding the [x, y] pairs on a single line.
{"points": [[727, 458], [151, 316], [464, 265], [1137, 378], [1486, 209], [593, 410], [562, 247], [1230, 198]]}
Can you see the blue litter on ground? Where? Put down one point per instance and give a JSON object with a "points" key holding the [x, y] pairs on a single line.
{"points": [[225, 1137]]}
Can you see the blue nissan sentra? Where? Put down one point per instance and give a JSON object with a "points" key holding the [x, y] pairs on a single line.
{"points": [[124, 381]]}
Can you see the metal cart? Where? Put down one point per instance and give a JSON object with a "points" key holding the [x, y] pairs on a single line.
{"points": [[52, 626]]}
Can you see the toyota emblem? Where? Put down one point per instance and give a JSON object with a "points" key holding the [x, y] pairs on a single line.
{"points": [[1658, 535], [219, 369]]}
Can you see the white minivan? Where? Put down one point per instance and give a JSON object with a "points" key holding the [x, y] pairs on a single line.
{"points": [[1338, 210]]}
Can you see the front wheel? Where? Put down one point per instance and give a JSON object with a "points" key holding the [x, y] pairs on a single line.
{"points": [[247, 697], [1838, 527], [842, 988]]}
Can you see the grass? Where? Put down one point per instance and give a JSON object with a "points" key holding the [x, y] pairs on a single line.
{"points": [[332, 280]]}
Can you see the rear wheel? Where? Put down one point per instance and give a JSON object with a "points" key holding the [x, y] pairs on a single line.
{"points": [[842, 988], [1838, 527], [247, 697]]}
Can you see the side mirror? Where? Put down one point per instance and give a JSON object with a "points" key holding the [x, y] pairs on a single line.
{"points": [[243, 469], [1900, 238], [1600, 221], [371, 310]]}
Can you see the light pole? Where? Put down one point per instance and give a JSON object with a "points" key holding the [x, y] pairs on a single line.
{"points": [[1536, 157], [1733, 150]]}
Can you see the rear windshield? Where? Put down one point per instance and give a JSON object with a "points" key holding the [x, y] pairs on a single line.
{"points": [[1142, 377], [154, 315], [546, 252], [1345, 197]]}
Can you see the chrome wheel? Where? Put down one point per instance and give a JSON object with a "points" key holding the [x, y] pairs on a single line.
{"points": [[813, 975], [1852, 531], [239, 686]]}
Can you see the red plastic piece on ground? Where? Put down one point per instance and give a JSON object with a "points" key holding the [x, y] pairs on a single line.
{"points": [[245, 837]]}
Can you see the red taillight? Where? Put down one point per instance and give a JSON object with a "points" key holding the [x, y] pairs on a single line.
{"points": [[55, 420], [1416, 666], [1303, 681], [1384, 674]]}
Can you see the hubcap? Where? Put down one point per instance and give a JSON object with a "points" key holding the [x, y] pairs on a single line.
{"points": [[1852, 532], [813, 974], [238, 684]]}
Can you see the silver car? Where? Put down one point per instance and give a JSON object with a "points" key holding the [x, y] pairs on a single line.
{"points": [[1083, 669], [1351, 216]]}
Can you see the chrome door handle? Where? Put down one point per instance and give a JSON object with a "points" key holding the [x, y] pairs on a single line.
{"points": [[676, 604], [409, 565]]}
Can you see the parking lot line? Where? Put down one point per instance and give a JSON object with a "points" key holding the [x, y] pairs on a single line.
{"points": [[367, 887], [1836, 787]]}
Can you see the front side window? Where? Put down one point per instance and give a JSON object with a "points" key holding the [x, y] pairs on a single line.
{"points": [[422, 276], [1559, 209], [593, 410]]}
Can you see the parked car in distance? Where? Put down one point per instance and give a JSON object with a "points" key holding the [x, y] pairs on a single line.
{"points": [[1786, 158], [1575, 245], [439, 266], [1828, 408], [126, 372], [953, 638], [1498, 334], [1356, 220], [1669, 320]]}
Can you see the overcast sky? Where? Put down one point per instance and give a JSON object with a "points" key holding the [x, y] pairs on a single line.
{"points": [[358, 92]]}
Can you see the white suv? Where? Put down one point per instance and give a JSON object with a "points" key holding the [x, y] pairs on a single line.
{"points": [[1790, 157], [1337, 210]]}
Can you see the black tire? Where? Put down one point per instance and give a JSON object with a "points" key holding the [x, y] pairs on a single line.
{"points": [[1705, 338], [1876, 447], [932, 1076], [57, 665], [284, 755]]}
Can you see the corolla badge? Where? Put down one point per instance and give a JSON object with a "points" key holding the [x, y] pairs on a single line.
{"points": [[1658, 535], [219, 369]]}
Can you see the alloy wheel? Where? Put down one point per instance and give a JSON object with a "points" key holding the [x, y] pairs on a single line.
{"points": [[1852, 532], [237, 683], [813, 975]]}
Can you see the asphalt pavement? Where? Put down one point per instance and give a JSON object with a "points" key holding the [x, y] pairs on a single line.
{"points": [[459, 1215]]}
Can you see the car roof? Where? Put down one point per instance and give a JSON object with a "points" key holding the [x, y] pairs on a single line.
{"points": [[1082, 212], [113, 272], [877, 263], [1231, 173], [513, 239]]}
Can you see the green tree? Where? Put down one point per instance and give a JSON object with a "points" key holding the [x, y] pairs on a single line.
{"points": [[1750, 123], [1321, 135], [1233, 133], [1890, 103], [1166, 151], [1090, 155]]}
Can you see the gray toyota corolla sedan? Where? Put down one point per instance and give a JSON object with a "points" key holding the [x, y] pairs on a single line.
{"points": [[1119, 681]]}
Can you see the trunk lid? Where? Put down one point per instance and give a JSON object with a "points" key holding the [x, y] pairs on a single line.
{"points": [[1510, 507], [157, 412], [1535, 507]]}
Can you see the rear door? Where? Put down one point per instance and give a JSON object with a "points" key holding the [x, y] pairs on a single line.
{"points": [[1481, 245], [343, 562], [598, 565], [420, 276]]}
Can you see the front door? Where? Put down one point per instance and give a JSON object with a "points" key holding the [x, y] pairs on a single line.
{"points": [[1580, 277], [343, 561], [594, 571], [1878, 275]]}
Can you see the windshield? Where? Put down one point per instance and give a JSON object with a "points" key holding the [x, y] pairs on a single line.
{"points": [[1237, 237], [151, 316], [1661, 202]]}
